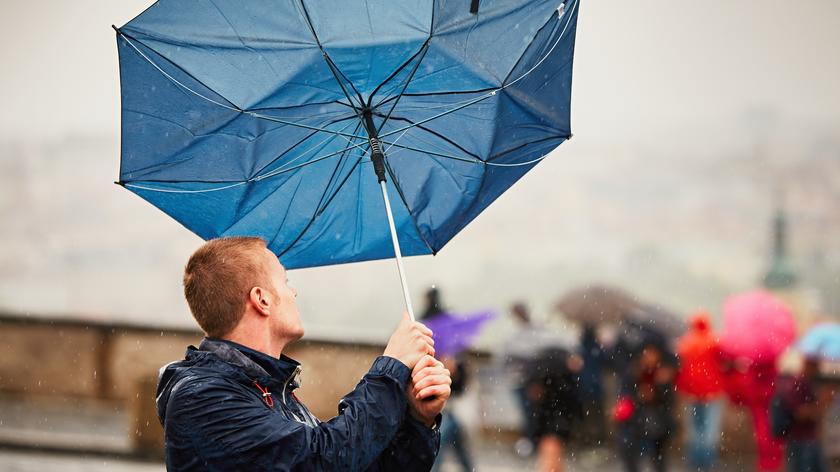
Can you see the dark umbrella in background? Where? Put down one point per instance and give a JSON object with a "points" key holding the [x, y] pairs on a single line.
{"points": [[604, 304], [596, 304], [659, 319], [294, 121]]}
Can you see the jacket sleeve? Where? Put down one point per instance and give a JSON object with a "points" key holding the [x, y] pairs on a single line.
{"points": [[232, 429], [413, 449]]}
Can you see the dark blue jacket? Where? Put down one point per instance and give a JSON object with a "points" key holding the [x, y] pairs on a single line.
{"points": [[216, 417]]}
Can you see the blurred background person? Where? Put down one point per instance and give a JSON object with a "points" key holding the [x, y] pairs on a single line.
{"points": [[593, 427], [453, 436], [644, 411], [800, 399], [518, 353], [699, 380], [553, 393]]}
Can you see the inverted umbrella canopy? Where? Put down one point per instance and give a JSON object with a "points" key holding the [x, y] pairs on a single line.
{"points": [[823, 340], [756, 326], [283, 119]]}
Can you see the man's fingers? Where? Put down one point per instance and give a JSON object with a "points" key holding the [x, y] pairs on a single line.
{"points": [[422, 328], [425, 361], [429, 340], [433, 379], [420, 374], [434, 391]]}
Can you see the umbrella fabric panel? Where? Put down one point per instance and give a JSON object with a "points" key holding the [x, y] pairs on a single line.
{"points": [[532, 108], [257, 54], [475, 54], [171, 133]]}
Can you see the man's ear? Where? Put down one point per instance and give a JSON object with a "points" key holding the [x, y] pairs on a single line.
{"points": [[258, 298]]}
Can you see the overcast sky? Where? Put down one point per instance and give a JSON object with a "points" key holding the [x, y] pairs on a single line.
{"points": [[681, 82]]}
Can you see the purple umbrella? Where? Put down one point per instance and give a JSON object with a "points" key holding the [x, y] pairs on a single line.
{"points": [[453, 334]]}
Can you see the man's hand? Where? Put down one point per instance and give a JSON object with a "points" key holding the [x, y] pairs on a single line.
{"points": [[410, 342], [429, 390]]}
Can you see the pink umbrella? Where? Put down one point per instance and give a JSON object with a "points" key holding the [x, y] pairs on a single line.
{"points": [[756, 326]]}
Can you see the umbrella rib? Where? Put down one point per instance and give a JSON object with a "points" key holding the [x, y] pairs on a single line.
{"points": [[319, 208], [439, 135], [396, 72], [510, 150], [433, 153], [279, 171], [333, 68], [431, 94], [407, 81], [301, 141], [233, 107], [486, 163], [425, 45], [408, 208], [346, 177], [319, 213]]}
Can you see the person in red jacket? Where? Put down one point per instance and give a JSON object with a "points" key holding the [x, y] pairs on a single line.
{"points": [[700, 380]]}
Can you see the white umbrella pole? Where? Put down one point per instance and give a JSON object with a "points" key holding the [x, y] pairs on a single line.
{"points": [[397, 252]]}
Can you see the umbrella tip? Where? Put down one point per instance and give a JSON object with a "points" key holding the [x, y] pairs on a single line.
{"points": [[121, 184], [115, 29]]}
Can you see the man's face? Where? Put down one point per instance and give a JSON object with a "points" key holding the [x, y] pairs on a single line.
{"points": [[285, 319]]}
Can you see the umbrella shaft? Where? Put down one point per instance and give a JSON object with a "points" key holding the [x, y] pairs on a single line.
{"points": [[397, 252]]}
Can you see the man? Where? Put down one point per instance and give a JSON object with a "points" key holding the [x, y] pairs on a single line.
{"points": [[801, 397], [230, 404]]}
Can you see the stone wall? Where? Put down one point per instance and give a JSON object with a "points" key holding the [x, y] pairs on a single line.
{"points": [[87, 359]]}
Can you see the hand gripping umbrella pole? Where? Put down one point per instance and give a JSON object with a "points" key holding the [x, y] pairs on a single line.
{"points": [[378, 159]]}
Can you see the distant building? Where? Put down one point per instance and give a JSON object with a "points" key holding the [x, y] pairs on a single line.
{"points": [[782, 279], [780, 275]]}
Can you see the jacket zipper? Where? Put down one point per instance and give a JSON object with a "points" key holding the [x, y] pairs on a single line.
{"points": [[283, 394]]}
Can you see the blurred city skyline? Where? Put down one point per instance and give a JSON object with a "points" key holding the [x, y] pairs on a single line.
{"points": [[693, 123]]}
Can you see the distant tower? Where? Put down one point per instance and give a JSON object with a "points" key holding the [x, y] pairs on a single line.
{"points": [[780, 276]]}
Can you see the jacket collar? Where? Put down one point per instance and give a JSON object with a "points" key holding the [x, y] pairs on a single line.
{"points": [[255, 364]]}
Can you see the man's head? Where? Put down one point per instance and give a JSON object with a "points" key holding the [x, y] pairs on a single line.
{"points": [[234, 282], [519, 310]]}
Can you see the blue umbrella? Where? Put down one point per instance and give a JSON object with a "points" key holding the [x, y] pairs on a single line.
{"points": [[823, 340], [295, 120]]}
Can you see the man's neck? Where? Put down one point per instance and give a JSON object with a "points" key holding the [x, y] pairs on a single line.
{"points": [[261, 343]]}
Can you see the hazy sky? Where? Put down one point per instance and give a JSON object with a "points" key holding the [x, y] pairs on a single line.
{"points": [[660, 87]]}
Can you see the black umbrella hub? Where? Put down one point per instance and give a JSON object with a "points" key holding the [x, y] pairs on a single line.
{"points": [[376, 154]]}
